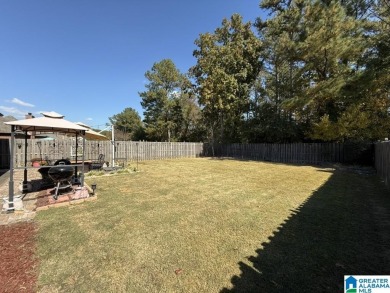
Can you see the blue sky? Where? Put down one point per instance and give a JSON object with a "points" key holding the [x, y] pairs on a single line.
{"points": [[86, 59]]}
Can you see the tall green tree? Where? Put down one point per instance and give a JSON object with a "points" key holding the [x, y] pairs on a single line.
{"points": [[317, 75], [129, 124], [170, 109], [280, 82], [191, 127], [228, 62], [363, 100]]}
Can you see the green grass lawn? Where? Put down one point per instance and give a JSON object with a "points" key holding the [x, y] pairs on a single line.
{"points": [[204, 225]]}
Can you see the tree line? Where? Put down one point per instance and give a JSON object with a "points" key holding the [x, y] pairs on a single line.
{"points": [[313, 70]]}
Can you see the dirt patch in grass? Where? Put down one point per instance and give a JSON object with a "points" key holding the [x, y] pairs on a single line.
{"points": [[18, 264]]}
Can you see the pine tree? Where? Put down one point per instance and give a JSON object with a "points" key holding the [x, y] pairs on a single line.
{"points": [[280, 82], [316, 56]]}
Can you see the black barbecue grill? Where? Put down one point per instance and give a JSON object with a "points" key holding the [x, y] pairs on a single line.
{"points": [[61, 175]]}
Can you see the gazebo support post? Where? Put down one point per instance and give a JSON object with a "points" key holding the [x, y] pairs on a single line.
{"points": [[77, 149], [82, 164], [81, 179], [11, 173], [25, 189], [113, 145]]}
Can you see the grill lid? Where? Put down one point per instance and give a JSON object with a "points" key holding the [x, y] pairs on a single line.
{"points": [[61, 172]]}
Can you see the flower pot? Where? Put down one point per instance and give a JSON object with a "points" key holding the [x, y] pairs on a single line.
{"points": [[36, 164]]}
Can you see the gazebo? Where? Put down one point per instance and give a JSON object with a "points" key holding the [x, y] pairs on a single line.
{"points": [[50, 122]]}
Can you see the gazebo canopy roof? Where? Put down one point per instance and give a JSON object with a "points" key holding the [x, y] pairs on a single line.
{"points": [[50, 122], [91, 134]]}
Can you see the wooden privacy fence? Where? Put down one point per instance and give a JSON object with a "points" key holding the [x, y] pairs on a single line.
{"points": [[382, 161], [298, 153], [142, 151], [62, 148], [131, 151]]}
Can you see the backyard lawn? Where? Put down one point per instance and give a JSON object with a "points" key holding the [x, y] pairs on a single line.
{"points": [[212, 225]]}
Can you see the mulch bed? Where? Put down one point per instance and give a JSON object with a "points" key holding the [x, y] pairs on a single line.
{"points": [[18, 262]]}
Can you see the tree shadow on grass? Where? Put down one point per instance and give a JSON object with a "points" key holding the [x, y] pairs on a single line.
{"points": [[342, 229]]}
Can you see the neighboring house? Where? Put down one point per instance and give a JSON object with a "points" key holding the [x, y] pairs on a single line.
{"points": [[5, 134], [5, 130]]}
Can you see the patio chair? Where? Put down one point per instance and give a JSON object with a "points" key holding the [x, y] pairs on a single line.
{"points": [[98, 164]]}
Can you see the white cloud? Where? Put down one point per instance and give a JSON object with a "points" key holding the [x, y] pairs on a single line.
{"points": [[89, 119], [12, 111], [21, 103]]}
